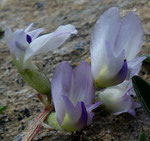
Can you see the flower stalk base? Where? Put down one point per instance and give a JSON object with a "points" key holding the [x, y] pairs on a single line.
{"points": [[36, 126]]}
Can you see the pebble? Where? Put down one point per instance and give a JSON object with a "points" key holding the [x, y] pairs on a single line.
{"points": [[22, 127], [40, 4], [19, 118], [26, 112]]}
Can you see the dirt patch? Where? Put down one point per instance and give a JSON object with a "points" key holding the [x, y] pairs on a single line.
{"points": [[23, 105]]}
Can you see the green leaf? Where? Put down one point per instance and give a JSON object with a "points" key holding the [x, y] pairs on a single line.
{"points": [[142, 90], [142, 136], [2, 108], [147, 60]]}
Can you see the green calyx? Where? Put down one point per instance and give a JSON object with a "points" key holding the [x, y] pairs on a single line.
{"points": [[66, 125], [52, 121], [37, 80], [33, 76]]}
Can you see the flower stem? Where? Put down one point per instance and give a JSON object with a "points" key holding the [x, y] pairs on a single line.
{"points": [[36, 126]]}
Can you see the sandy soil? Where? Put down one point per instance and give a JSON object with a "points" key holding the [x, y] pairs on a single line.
{"points": [[23, 105]]}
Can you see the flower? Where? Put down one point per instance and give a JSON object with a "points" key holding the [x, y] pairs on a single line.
{"points": [[73, 93], [117, 99], [115, 45], [23, 44]]}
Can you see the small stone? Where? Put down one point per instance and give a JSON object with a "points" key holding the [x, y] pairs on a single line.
{"points": [[143, 73], [37, 101], [38, 110], [40, 4], [22, 127], [44, 65], [15, 110], [27, 112], [22, 122], [19, 118], [9, 68]]}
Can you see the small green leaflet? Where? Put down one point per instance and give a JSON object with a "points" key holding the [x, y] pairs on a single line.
{"points": [[142, 136], [2, 108], [147, 60], [142, 90]]}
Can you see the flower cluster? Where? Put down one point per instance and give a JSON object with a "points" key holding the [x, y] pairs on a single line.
{"points": [[115, 44]]}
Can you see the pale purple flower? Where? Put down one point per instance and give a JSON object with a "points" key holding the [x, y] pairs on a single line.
{"points": [[73, 93], [24, 44], [117, 99], [115, 44]]}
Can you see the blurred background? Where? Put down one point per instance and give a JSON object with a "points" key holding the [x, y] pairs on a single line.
{"points": [[22, 103]]}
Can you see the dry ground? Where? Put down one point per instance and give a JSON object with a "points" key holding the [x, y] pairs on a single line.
{"points": [[22, 103]]}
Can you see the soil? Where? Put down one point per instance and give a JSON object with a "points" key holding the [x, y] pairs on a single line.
{"points": [[22, 103]]}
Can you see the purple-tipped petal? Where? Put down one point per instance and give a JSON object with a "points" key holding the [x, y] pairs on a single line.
{"points": [[77, 116], [50, 41], [90, 118], [123, 72], [106, 28], [61, 85], [114, 71], [82, 85], [90, 113], [84, 116], [35, 33], [74, 113], [130, 36], [93, 106], [29, 39]]}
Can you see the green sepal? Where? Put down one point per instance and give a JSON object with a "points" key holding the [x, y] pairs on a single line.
{"points": [[52, 121], [33, 76]]}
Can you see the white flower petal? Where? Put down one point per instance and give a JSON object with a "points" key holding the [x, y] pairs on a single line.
{"points": [[50, 41], [116, 99], [35, 33], [28, 27], [106, 28], [8, 36], [16, 42], [134, 67], [130, 36], [114, 63]]}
